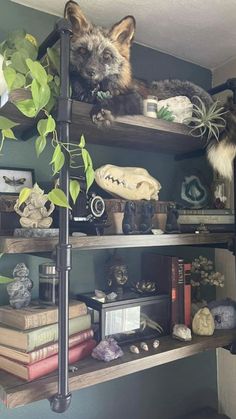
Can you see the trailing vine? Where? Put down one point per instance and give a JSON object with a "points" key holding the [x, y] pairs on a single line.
{"points": [[39, 84]]}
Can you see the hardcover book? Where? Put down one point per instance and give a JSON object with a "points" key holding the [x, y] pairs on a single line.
{"points": [[37, 315], [44, 352], [28, 340], [39, 369], [181, 290]]}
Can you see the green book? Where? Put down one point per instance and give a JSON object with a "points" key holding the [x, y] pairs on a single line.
{"points": [[28, 340]]}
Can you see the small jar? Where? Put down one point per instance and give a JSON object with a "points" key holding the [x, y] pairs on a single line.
{"points": [[150, 106], [48, 283]]}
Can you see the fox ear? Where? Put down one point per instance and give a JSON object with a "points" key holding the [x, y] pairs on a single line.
{"points": [[74, 13], [123, 31]]}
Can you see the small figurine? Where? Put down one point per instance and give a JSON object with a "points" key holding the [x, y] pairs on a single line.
{"points": [[172, 225], [34, 213], [147, 213], [128, 223], [203, 323], [116, 273], [19, 290]]}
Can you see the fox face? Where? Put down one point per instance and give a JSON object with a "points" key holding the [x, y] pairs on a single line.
{"points": [[99, 54]]}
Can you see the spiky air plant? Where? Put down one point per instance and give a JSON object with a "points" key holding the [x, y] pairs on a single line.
{"points": [[207, 123]]}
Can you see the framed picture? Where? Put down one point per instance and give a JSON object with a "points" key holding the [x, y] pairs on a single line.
{"points": [[12, 180]]}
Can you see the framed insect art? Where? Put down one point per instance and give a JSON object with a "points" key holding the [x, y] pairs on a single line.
{"points": [[12, 180]]}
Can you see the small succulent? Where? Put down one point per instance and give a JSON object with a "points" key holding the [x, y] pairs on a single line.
{"points": [[207, 121], [165, 113]]}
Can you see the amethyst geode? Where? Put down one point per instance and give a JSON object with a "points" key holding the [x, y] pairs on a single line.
{"points": [[107, 350]]}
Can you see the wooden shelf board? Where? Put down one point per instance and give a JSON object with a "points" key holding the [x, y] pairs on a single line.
{"points": [[36, 245], [128, 131], [14, 392]]}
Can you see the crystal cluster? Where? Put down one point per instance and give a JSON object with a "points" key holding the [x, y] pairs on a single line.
{"points": [[107, 350]]}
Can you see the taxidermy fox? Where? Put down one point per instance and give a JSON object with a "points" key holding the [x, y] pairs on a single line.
{"points": [[101, 74]]}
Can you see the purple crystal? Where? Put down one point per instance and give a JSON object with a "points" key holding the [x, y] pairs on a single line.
{"points": [[107, 350]]}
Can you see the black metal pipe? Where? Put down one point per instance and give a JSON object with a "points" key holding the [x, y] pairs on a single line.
{"points": [[61, 401]]}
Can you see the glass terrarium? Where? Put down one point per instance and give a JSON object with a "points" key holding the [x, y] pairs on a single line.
{"points": [[130, 317]]}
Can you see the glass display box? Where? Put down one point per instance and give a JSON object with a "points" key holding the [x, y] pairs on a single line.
{"points": [[130, 317]]}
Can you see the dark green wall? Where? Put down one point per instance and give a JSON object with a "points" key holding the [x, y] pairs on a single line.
{"points": [[163, 392]]}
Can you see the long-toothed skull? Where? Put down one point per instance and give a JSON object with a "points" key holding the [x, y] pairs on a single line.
{"points": [[127, 182]]}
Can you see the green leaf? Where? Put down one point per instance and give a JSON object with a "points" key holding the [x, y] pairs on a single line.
{"points": [[56, 153], [24, 194], [82, 141], [28, 47], [6, 123], [10, 76], [18, 61], [45, 126], [14, 36], [8, 133], [54, 58], [85, 157], [74, 189], [35, 93], [27, 107], [5, 279], [89, 174], [40, 144], [58, 197], [19, 82], [37, 72], [40, 94], [58, 163], [44, 94]]}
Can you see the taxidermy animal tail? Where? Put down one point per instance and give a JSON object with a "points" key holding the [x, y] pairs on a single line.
{"points": [[221, 153], [165, 89]]}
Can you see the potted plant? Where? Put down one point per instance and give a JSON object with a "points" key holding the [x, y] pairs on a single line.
{"points": [[33, 88]]}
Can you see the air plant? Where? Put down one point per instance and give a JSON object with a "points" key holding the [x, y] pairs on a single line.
{"points": [[207, 122]]}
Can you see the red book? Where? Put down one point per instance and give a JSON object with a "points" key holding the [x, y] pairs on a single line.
{"points": [[39, 369], [187, 294], [187, 305], [181, 282], [45, 351]]}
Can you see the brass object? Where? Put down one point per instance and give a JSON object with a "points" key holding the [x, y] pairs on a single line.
{"points": [[145, 287]]}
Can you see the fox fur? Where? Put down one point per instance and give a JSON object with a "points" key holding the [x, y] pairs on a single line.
{"points": [[101, 74]]}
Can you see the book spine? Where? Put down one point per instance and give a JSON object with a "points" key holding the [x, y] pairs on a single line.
{"points": [[43, 319], [174, 291], [48, 365], [180, 291], [187, 305], [187, 294], [51, 350], [49, 334]]}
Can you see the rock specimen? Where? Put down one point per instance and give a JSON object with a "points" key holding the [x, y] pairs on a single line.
{"points": [[182, 332], [107, 350]]}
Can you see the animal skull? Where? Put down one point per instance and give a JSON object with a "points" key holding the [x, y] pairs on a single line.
{"points": [[127, 182]]}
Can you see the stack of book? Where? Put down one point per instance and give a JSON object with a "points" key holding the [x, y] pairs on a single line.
{"points": [[172, 276], [29, 338]]}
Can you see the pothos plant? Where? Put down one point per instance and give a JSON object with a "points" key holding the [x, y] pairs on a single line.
{"points": [[39, 84]]}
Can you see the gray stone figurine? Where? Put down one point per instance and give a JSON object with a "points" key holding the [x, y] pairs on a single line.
{"points": [[19, 290]]}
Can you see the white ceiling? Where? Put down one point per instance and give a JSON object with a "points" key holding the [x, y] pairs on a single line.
{"points": [[200, 31]]}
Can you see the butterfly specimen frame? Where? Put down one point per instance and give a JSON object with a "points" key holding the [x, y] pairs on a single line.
{"points": [[12, 180]]}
